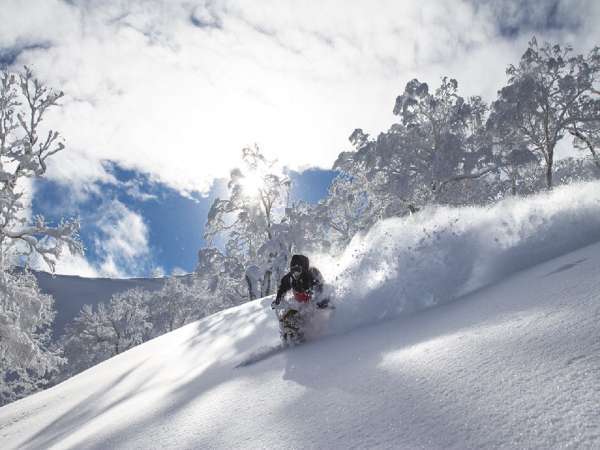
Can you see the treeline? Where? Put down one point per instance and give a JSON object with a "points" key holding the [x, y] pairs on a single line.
{"points": [[132, 317]]}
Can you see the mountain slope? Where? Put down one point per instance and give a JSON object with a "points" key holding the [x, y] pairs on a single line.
{"points": [[512, 365], [70, 293]]}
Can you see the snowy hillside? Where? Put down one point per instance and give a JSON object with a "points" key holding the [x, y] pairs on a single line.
{"points": [[513, 365]]}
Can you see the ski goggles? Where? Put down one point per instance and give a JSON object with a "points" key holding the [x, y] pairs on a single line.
{"points": [[296, 271]]}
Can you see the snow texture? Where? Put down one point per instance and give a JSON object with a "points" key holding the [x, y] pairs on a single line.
{"points": [[405, 265], [511, 365], [261, 354]]}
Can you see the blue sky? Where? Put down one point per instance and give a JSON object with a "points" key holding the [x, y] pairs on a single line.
{"points": [[173, 222]]}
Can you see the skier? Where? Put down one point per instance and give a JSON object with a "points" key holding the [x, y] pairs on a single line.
{"points": [[307, 285]]}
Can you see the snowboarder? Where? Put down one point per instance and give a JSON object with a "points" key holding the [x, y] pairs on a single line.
{"points": [[306, 283]]}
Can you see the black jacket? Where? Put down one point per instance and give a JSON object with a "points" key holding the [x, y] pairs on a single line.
{"points": [[310, 281]]}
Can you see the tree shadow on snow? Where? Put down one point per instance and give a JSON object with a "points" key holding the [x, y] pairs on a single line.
{"points": [[228, 323], [84, 411]]}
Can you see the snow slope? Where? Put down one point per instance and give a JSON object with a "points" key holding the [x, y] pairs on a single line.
{"points": [[511, 365]]}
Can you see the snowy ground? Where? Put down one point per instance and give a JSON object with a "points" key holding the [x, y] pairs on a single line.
{"points": [[514, 365]]}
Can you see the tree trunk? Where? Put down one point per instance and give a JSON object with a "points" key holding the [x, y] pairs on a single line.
{"points": [[266, 283], [549, 166], [513, 187], [590, 145], [251, 288], [117, 348], [549, 174]]}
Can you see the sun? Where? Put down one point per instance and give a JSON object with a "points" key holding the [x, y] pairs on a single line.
{"points": [[252, 184]]}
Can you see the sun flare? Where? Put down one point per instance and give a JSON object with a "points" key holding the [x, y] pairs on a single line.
{"points": [[252, 184]]}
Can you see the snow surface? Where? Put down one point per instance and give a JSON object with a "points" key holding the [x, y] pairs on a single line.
{"points": [[511, 365]]}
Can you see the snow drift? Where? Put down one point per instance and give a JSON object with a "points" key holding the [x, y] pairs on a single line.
{"points": [[407, 264]]}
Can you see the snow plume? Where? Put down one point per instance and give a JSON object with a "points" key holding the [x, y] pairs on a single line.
{"points": [[406, 264]]}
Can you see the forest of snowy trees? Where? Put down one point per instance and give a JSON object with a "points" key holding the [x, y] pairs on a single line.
{"points": [[442, 149]]}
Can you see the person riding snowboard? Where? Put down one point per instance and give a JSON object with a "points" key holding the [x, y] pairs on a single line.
{"points": [[306, 283]]}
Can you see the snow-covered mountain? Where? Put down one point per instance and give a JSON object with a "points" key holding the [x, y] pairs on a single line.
{"points": [[509, 360], [70, 293]]}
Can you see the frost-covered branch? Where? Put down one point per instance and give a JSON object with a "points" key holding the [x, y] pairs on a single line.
{"points": [[24, 102], [467, 176], [48, 242]]}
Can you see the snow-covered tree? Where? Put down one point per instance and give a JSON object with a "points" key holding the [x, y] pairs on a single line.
{"points": [[220, 278], [25, 313], [439, 142], [549, 93], [443, 136], [27, 360], [349, 209], [588, 139], [129, 319], [88, 340], [586, 135], [94, 336], [328, 226], [257, 195], [517, 164], [310, 231], [24, 151], [176, 304], [272, 259]]}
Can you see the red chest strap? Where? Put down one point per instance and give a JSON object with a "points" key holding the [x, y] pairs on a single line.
{"points": [[302, 297]]}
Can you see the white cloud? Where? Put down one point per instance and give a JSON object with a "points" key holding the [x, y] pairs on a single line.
{"points": [[120, 245], [157, 272], [69, 264], [176, 88], [135, 190], [178, 271]]}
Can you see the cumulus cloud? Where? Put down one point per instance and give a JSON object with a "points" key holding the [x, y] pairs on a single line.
{"points": [[122, 241], [176, 88], [70, 264], [120, 246]]}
